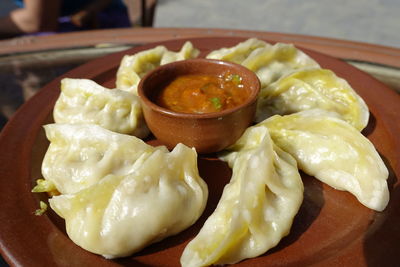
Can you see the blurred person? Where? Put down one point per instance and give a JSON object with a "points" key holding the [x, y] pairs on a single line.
{"points": [[38, 16]]}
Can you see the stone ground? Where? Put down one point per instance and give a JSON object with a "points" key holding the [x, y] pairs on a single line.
{"points": [[371, 21]]}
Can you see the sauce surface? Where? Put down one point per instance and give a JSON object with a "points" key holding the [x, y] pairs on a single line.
{"points": [[200, 93]]}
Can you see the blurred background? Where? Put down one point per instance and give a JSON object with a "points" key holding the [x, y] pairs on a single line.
{"points": [[371, 21]]}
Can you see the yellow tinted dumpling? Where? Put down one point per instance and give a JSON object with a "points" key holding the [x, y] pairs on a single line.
{"points": [[334, 152], [309, 89], [257, 207]]}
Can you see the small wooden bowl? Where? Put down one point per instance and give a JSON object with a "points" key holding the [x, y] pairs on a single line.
{"points": [[208, 132]]}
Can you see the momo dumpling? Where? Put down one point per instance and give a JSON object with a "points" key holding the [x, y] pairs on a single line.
{"points": [[269, 62], [272, 62], [80, 155], [239, 52], [121, 214], [187, 52], [85, 101], [257, 207], [334, 152], [134, 67], [310, 89]]}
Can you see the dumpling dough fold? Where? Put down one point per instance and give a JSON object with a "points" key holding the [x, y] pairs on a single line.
{"points": [[334, 152], [134, 67], [85, 101], [80, 155], [309, 89], [257, 207], [239, 52], [121, 214], [269, 62]]}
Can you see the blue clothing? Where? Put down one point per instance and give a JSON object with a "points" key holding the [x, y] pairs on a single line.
{"points": [[19, 3], [114, 16], [69, 7]]}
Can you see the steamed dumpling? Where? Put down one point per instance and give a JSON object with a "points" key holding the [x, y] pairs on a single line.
{"points": [[80, 155], [309, 89], [85, 101], [187, 52], [257, 207], [121, 214], [239, 52], [134, 67], [334, 152], [269, 62]]}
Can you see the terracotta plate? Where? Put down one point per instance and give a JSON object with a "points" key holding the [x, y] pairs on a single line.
{"points": [[331, 228]]}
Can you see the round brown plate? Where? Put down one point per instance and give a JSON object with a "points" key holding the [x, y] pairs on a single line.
{"points": [[331, 228]]}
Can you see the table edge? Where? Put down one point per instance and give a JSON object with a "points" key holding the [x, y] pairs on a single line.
{"points": [[343, 49]]}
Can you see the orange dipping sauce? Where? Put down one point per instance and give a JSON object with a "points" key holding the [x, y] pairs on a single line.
{"points": [[201, 93]]}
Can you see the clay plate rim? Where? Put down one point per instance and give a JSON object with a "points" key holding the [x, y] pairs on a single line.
{"points": [[30, 240]]}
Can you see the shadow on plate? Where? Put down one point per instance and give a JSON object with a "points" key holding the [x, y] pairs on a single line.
{"points": [[381, 242], [309, 210], [371, 125]]}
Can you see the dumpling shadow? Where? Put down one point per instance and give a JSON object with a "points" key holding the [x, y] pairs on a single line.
{"points": [[309, 210], [381, 242], [369, 129]]}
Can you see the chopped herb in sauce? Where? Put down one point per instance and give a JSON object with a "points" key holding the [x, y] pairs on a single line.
{"points": [[235, 78], [216, 102]]}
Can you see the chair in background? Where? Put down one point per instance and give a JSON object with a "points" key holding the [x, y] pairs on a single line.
{"points": [[141, 12]]}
